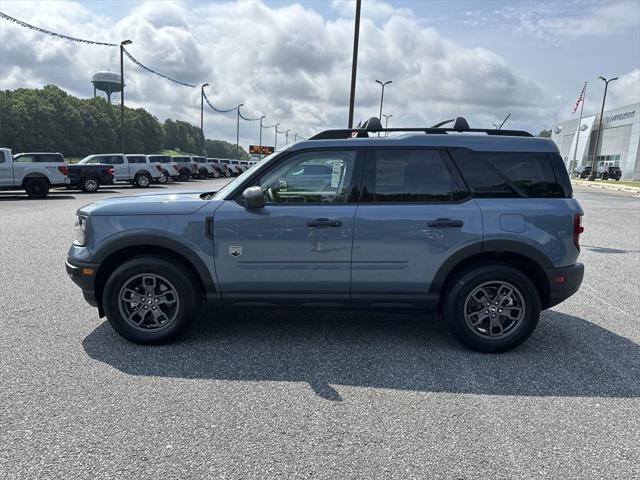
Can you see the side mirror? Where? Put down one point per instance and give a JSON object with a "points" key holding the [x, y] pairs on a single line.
{"points": [[253, 197]]}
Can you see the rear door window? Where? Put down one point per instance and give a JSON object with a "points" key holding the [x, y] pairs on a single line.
{"points": [[508, 174], [136, 159], [410, 176]]}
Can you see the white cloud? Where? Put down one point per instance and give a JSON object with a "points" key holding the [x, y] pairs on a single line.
{"points": [[287, 62], [576, 20], [625, 90]]}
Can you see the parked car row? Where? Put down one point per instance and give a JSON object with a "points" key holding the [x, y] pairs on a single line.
{"points": [[604, 172], [37, 172]]}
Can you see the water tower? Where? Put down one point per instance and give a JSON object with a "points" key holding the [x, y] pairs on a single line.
{"points": [[107, 82]]}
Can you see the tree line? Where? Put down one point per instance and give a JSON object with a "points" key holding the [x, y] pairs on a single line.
{"points": [[51, 120]]}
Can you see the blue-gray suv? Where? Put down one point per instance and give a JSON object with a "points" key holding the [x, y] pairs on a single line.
{"points": [[478, 225]]}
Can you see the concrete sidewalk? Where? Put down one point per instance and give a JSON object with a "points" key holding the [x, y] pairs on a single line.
{"points": [[613, 185]]}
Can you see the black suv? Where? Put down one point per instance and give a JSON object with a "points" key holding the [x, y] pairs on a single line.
{"points": [[607, 172], [583, 171]]}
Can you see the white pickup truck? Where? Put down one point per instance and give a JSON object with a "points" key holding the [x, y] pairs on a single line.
{"points": [[134, 169], [36, 173]]}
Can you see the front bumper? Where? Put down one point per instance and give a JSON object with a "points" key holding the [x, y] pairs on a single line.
{"points": [[563, 282], [83, 274]]}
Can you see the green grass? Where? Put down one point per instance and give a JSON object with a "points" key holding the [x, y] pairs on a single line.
{"points": [[628, 183]]}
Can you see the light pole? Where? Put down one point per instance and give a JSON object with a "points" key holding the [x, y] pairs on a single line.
{"points": [[122, 44], [260, 142], [202, 117], [354, 62], [286, 137], [592, 177], [386, 122], [275, 142], [238, 130], [382, 95]]}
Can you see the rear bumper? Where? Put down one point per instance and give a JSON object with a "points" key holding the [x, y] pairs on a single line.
{"points": [[563, 282], [83, 274]]}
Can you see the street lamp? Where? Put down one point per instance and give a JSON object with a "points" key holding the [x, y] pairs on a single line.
{"points": [[260, 142], [382, 95], [286, 137], [122, 44], [275, 143], [354, 62], [592, 177], [386, 122], [238, 130], [202, 117]]}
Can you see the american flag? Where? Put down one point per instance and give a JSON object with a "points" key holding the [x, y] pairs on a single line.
{"points": [[580, 98]]}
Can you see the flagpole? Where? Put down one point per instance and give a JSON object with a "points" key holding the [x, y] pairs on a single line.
{"points": [[575, 151]]}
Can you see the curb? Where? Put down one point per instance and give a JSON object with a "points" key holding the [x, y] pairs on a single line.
{"points": [[622, 188]]}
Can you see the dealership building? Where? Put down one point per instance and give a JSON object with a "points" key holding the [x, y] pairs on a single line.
{"points": [[619, 142]]}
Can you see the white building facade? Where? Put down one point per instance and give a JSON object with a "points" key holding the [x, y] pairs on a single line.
{"points": [[619, 142]]}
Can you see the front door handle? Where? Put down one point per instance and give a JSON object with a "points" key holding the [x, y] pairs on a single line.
{"points": [[445, 222], [324, 222]]}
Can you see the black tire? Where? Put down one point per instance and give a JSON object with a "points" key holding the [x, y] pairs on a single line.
{"points": [[184, 175], [177, 276], [90, 184], [142, 180], [203, 174], [227, 174], [216, 174], [458, 298], [164, 177], [36, 187]]}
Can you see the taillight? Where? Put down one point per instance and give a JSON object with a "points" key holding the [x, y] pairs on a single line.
{"points": [[109, 170], [63, 169], [577, 229]]}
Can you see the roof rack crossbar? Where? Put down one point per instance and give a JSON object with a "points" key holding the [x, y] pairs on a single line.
{"points": [[352, 132]]}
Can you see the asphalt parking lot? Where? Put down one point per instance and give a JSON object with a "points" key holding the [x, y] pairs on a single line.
{"points": [[314, 395]]}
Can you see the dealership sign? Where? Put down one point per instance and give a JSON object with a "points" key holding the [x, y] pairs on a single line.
{"points": [[260, 149], [619, 116]]}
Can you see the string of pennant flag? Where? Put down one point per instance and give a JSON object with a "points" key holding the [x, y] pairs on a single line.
{"points": [[11, 19]]}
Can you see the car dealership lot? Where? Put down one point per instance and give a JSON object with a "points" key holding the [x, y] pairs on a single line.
{"points": [[324, 395]]}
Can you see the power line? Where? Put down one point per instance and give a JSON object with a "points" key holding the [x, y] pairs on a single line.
{"points": [[217, 109], [144, 67], [54, 34]]}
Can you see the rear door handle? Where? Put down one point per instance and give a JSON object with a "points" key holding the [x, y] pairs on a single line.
{"points": [[324, 222], [445, 222]]}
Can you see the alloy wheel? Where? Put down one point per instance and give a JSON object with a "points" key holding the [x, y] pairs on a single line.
{"points": [[148, 302], [494, 309]]}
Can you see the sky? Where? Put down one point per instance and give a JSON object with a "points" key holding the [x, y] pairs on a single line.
{"points": [[291, 60]]}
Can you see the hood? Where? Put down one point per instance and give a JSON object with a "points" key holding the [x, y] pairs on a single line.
{"points": [[167, 203]]}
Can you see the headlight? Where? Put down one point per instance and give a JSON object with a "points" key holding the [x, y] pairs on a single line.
{"points": [[79, 231]]}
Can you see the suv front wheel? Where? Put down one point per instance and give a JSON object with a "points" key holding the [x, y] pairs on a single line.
{"points": [[150, 300], [492, 307]]}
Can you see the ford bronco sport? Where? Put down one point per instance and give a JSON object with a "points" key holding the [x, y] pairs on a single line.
{"points": [[479, 225]]}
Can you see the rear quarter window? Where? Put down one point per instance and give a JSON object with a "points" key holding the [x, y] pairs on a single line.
{"points": [[509, 174]]}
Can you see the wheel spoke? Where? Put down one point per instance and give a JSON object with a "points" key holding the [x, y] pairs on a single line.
{"points": [[509, 311], [130, 295], [493, 324], [478, 317], [137, 312]]}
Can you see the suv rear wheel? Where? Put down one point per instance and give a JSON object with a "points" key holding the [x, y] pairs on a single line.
{"points": [[492, 307], [150, 300], [36, 187], [184, 175]]}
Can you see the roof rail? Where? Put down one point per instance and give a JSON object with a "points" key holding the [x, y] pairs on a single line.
{"points": [[373, 125]]}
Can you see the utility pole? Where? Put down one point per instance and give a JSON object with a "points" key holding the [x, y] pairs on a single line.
{"points": [[593, 175], [354, 62], [122, 44], [286, 137], [260, 141], [275, 143], [238, 130], [202, 150]]}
